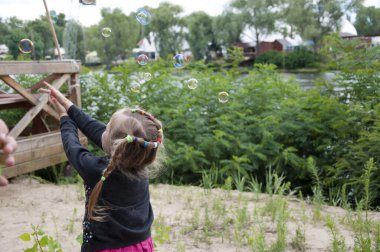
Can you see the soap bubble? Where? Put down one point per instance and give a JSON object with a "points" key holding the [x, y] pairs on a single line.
{"points": [[143, 16], [53, 16], [142, 59], [223, 97], [135, 87], [106, 32], [192, 83], [25, 46], [179, 61], [188, 58], [88, 1], [147, 76]]}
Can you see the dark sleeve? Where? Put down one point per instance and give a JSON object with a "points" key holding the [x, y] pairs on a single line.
{"points": [[93, 129], [88, 166]]}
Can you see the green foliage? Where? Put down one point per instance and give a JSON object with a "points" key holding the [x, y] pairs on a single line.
{"points": [[338, 243], [260, 16], [41, 241], [200, 33], [268, 121], [301, 58], [366, 21], [167, 27], [305, 17]]}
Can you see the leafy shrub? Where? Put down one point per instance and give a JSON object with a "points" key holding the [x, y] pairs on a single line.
{"points": [[301, 58]]}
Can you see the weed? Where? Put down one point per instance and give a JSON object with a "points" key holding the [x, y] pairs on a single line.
{"points": [[338, 242], [41, 241]]}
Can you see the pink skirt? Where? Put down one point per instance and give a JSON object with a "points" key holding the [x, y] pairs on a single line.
{"points": [[144, 246]]}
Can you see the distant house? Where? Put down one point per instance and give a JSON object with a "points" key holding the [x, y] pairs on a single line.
{"points": [[92, 59], [145, 48], [280, 45], [249, 50], [374, 40], [3, 51]]}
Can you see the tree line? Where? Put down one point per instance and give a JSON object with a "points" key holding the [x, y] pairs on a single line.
{"points": [[169, 28]]}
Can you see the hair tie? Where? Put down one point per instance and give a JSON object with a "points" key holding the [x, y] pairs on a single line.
{"points": [[129, 139], [103, 178], [145, 144]]}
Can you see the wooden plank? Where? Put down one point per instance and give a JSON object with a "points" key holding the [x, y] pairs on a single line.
{"points": [[40, 84], [13, 104], [42, 101], [30, 97], [34, 165], [74, 90], [39, 125], [38, 153], [36, 67], [38, 141]]}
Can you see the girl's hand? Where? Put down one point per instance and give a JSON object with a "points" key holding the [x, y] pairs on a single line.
{"points": [[57, 95], [61, 110]]}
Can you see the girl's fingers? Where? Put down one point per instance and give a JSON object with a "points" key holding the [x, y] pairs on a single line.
{"points": [[43, 90], [47, 85]]}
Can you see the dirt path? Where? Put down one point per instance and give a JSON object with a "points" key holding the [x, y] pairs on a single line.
{"points": [[186, 218]]}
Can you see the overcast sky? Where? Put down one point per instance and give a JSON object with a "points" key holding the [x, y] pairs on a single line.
{"points": [[88, 15]]}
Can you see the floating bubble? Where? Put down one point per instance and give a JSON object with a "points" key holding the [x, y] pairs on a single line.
{"points": [[188, 58], [179, 61], [53, 16], [135, 87], [192, 83], [106, 32], [147, 76], [25, 46], [142, 59], [143, 16], [88, 2], [223, 97]]}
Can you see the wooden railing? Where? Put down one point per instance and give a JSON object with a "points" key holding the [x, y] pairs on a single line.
{"points": [[37, 132]]}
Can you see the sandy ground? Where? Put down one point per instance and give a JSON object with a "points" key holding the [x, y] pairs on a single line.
{"points": [[187, 218]]}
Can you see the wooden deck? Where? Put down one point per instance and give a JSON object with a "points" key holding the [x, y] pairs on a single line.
{"points": [[39, 141]]}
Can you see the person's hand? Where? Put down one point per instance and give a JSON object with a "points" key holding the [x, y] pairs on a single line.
{"points": [[58, 106], [8, 146], [56, 96]]}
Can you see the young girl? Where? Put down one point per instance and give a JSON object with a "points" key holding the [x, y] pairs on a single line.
{"points": [[118, 215]]}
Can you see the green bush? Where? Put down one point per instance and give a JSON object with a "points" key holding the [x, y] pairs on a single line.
{"points": [[268, 122], [301, 58]]}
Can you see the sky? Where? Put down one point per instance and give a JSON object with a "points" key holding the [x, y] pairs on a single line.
{"points": [[88, 15]]}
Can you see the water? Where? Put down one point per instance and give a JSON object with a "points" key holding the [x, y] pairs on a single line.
{"points": [[306, 80]]}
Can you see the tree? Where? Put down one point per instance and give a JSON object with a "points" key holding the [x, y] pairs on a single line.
{"points": [[367, 21], [167, 28], [73, 41], [124, 35], [228, 27], [200, 33], [39, 31], [4, 29], [314, 19], [258, 15]]}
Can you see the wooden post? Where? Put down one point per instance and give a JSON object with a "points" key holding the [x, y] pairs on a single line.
{"points": [[53, 31]]}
